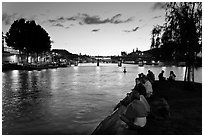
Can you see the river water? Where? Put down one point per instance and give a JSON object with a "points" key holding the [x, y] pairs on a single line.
{"points": [[70, 100]]}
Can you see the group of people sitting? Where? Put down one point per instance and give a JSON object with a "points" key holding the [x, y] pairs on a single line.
{"points": [[172, 76], [136, 101]]}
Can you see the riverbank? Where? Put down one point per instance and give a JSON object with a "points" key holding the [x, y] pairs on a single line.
{"points": [[30, 67], [185, 102]]}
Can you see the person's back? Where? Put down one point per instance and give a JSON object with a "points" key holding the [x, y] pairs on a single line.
{"points": [[139, 87], [136, 113], [172, 76], [161, 77], [136, 109], [148, 87], [151, 76]]}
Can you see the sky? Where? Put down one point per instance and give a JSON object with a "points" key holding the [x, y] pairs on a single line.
{"points": [[91, 28]]}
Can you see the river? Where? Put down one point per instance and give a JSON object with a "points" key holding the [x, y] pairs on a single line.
{"points": [[70, 100]]}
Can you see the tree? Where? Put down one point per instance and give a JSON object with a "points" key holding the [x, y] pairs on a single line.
{"points": [[183, 28], [28, 37], [156, 31]]}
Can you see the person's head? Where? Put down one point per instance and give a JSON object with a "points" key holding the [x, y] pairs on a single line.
{"points": [[137, 81], [171, 72], [162, 71], [149, 71], [144, 79], [135, 95]]}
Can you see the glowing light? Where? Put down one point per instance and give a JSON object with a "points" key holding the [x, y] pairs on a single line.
{"points": [[15, 72], [76, 68], [29, 59], [164, 68]]}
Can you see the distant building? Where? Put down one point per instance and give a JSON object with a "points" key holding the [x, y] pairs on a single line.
{"points": [[10, 55], [123, 53]]}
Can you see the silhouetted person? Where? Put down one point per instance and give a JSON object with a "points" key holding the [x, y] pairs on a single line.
{"points": [[139, 87], [141, 75], [148, 87], [151, 76], [172, 76], [161, 77], [124, 70]]}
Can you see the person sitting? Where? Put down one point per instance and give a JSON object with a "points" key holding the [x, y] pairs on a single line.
{"points": [[172, 76], [141, 75], [161, 77], [136, 113], [151, 76], [148, 87], [139, 87]]}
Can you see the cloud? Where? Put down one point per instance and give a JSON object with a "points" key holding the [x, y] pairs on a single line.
{"points": [[159, 5], [57, 20], [72, 18], [84, 18], [115, 19], [95, 30], [59, 25], [140, 20], [155, 17], [87, 19], [8, 19], [133, 30]]}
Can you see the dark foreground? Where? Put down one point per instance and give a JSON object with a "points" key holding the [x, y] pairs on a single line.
{"points": [[185, 100]]}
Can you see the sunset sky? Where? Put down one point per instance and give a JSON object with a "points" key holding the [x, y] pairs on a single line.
{"points": [[90, 28]]}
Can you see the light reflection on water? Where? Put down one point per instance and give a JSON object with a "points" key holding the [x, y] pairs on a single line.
{"points": [[69, 100]]}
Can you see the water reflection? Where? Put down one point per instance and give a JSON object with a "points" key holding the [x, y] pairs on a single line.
{"points": [[97, 82], [69, 100]]}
